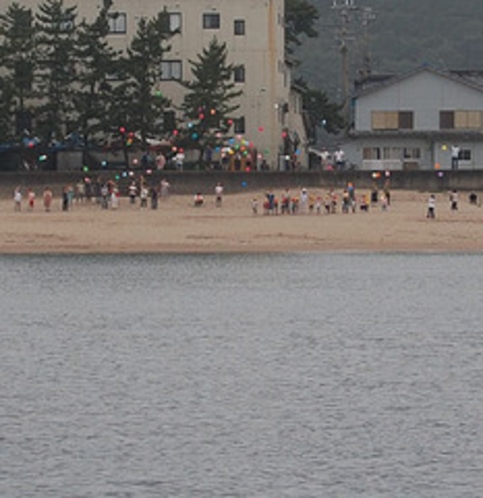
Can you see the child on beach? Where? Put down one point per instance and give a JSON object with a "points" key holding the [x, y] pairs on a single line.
{"points": [[144, 197], [453, 197], [318, 204], [384, 202], [218, 194], [254, 206], [431, 207], [31, 199], [17, 199], [47, 198]]}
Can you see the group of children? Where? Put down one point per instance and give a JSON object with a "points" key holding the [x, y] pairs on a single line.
{"points": [[308, 203], [199, 200], [453, 202], [47, 197]]}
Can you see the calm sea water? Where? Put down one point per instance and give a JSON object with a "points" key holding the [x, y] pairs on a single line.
{"points": [[241, 376]]}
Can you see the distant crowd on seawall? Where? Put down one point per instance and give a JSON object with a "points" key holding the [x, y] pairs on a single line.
{"points": [[189, 182]]}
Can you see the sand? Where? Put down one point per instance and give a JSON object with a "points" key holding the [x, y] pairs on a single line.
{"points": [[178, 227]]}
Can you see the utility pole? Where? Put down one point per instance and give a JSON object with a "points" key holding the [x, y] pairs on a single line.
{"points": [[345, 9], [367, 17]]}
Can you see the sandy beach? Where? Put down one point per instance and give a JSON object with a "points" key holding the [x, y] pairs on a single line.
{"points": [[178, 227]]}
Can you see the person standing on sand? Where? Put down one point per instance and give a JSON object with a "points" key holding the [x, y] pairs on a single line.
{"points": [[132, 191], [218, 194], [164, 188], [453, 198], [65, 199], [254, 204], [154, 198], [115, 198], [31, 199], [144, 197], [47, 198], [17, 199], [431, 207]]}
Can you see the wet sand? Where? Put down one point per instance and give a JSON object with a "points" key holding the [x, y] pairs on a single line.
{"points": [[178, 227]]}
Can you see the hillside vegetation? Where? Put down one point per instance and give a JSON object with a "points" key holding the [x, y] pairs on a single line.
{"points": [[404, 34]]}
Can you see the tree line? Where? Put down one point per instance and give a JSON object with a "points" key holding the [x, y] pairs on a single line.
{"points": [[62, 81]]}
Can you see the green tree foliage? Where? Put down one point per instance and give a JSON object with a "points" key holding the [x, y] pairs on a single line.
{"points": [[96, 63], [401, 36], [300, 20], [56, 39], [144, 101], [18, 61], [210, 100], [321, 112]]}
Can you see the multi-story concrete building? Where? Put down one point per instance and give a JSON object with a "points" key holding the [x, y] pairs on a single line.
{"points": [[270, 109]]}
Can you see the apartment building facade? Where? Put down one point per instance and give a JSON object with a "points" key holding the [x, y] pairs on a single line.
{"points": [[253, 30]]}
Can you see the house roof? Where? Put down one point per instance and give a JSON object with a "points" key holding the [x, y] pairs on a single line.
{"points": [[372, 84]]}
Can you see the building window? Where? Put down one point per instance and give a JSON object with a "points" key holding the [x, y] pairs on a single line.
{"points": [[239, 125], [171, 70], [211, 21], [446, 120], [371, 153], [460, 120], [467, 120], [465, 155], [239, 74], [117, 23], [174, 22], [391, 153], [411, 153], [392, 120], [406, 120], [239, 27]]}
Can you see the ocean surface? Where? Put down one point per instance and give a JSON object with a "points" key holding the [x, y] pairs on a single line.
{"points": [[241, 376]]}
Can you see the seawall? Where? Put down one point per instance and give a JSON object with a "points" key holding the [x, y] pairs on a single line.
{"points": [[191, 182]]}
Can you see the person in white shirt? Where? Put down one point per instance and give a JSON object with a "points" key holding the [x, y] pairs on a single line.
{"points": [[17, 199], [455, 156], [144, 197], [453, 198], [339, 158], [304, 201], [218, 194], [431, 207]]}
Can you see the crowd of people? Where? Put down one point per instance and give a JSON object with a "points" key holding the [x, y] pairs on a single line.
{"points": [[107, 195], [305, 202]]}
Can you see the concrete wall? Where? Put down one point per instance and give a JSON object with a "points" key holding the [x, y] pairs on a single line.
{"points": [[191, 182]]}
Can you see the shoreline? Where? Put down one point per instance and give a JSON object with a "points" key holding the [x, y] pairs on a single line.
{"points": [[179, 228]]}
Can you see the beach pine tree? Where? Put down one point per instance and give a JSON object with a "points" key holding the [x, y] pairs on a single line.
{"points": [[141, 96], [18, 61], [210, 100], [96, 68], [300, 20], [321, 112], [55, 41]]}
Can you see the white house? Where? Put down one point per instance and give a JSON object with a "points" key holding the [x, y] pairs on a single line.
{"points": [[413, 122]]}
